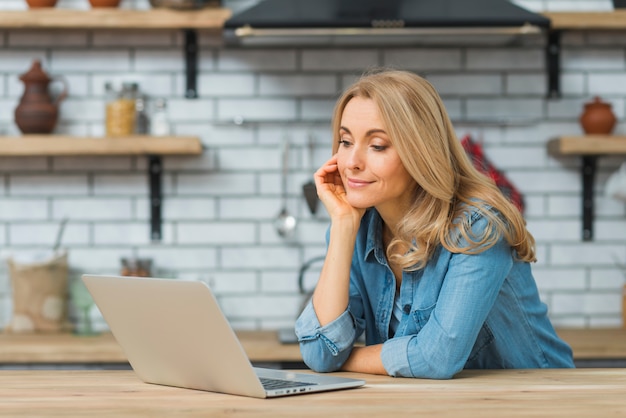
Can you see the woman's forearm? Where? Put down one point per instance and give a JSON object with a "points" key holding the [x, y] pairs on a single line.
{"points": [[332, 291], [365, 360]]}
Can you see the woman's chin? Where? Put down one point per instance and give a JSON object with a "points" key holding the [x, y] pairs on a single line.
{"points": [[360, 204]]}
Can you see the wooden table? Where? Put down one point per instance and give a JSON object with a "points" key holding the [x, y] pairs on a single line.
{"points": [[496, 393]]}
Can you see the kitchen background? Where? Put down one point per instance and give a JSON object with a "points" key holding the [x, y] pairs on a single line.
{"points": [[219, 208]]}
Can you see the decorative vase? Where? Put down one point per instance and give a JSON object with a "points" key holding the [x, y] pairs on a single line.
{"points": [[598, 117], [36, 4], [36, 112], [104, 3]]}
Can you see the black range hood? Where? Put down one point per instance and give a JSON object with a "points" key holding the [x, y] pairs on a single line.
{"points": [[344, 21]]}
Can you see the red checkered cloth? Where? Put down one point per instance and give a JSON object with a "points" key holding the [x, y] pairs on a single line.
{"points": [[485, 166]]}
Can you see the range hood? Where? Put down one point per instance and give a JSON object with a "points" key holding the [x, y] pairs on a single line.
{"points": [[377, 21]]}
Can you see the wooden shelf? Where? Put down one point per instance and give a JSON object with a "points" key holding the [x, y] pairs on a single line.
{"points": [[153, 147], [588, 145], [609, 20], [214, 18], [588, 148], [61, 145], [211, 18]]}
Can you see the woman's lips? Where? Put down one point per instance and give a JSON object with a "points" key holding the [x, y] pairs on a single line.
{"points": [[357, 183]]}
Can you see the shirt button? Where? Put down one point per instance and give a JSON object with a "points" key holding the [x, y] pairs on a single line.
{"points": [[406, 309]]}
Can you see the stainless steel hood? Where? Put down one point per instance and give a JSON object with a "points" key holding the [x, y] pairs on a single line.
{"points": [[377, 21]]}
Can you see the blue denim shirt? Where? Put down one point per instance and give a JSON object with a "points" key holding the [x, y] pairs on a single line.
{"points": [[459, 311]]}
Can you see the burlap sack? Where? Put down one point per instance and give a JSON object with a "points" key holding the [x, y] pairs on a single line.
{"points": [[39, 295]]}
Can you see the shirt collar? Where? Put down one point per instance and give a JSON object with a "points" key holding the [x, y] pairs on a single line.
{"points": [[374, 244]]}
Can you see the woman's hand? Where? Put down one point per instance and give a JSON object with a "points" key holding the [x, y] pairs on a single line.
{"points": [[332, 193]]}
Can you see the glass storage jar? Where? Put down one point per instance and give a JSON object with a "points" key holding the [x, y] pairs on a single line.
{"points": [[120, 109]]}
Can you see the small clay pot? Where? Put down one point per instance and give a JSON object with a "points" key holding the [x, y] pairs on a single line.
{"points": [[104, 3], [36, 4], [598, 118]]}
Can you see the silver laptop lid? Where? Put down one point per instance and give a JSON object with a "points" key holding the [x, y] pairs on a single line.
{"points": [[169, 331]]}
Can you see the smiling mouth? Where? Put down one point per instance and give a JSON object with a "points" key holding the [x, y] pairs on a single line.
{"points": [[356, 183]]}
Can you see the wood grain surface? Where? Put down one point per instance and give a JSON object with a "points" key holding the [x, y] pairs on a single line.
{"points": [[504, 393], [60, 145]]}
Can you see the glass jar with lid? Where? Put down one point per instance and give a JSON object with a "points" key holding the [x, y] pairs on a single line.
{"points": [[120, 109]]}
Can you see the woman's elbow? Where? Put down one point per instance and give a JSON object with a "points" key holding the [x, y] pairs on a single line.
{"points": [[321, 360]]}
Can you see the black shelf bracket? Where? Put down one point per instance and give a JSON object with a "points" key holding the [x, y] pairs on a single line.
{"points": [[588, 177], [553, 64], [155, 171], [191, 64]]}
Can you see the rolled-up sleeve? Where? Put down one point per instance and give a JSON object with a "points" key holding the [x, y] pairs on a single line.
{"points": [[325, 348]]}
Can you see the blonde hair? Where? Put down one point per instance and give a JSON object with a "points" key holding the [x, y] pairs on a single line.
{"points": [[448, 184]]}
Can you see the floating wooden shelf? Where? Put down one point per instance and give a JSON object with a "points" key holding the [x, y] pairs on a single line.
{"points": [[588, 145], [214, 18], [589, 148], [609, 20], [211, 18], [62, 145], [153, 147]]}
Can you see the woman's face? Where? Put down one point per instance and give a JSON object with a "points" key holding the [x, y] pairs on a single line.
{"points": [[370, 167]]}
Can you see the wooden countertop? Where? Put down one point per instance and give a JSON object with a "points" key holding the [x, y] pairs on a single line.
{"points": [[595, 343], [478, 393], [261, 346]]}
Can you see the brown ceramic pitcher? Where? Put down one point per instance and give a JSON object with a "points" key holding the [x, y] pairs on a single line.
{"points": [[37, 112]]}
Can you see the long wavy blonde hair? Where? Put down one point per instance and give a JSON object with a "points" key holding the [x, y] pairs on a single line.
{"points": [[448, 184]]}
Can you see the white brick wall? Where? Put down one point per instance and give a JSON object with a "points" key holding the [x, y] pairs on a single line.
{"points": [[219, 207]]}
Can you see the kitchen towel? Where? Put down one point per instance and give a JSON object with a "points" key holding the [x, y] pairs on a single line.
{"points": [[475, 151]]}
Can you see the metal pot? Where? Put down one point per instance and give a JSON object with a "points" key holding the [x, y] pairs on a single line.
{"points": [[183, 4]]}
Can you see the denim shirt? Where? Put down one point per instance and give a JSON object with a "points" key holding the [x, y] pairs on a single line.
{"points": [[459, 311]]}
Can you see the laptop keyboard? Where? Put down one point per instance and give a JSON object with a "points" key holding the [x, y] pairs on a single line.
{"points": [[272, 384]]}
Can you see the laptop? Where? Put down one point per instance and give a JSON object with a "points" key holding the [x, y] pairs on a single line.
{"points": [[174, 333]]}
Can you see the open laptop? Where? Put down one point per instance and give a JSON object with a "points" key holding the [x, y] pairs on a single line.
{"points": [[174, 333]]}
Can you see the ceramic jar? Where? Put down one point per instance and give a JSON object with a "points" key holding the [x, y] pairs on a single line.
{"points": [[104, 3], [36, 112], [598, 117], [35, 4]]}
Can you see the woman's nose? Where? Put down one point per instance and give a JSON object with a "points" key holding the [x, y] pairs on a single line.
{"points": [[354, 160]]}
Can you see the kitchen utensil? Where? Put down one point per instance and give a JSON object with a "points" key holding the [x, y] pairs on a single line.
{"points": [[285, 223], [36, 112], [57, 241], [183, 4], [308, 188]]}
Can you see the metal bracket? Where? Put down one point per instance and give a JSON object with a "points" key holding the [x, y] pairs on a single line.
{"points": [[588, 177], [191, 63], [155, 171], [553, 63]]}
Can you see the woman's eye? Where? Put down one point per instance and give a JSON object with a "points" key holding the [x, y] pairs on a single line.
{"points": [[344, 143], [379, 147]]}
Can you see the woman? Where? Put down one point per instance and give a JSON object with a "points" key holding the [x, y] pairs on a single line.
{"points": [[425, 255]]}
